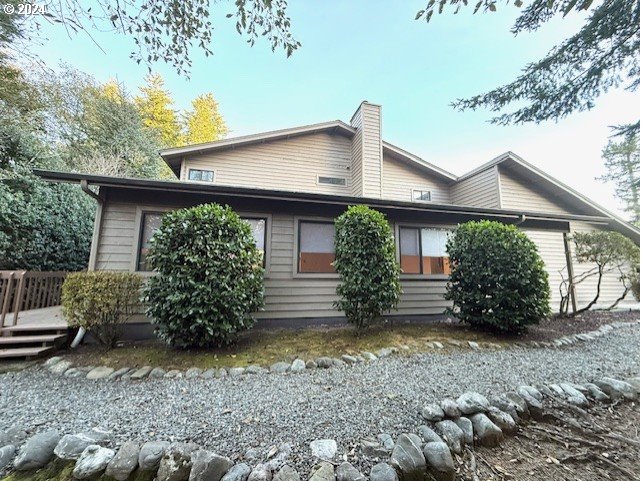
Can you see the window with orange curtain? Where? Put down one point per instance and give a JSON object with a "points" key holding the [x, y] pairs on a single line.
{"points": [[423, 251], [316, 247]]}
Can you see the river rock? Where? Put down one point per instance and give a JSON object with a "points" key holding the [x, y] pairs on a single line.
{"points": [[323, 471], [287, 473], [297, 366], [347, 472], [407, 457], [466, 426], [617, 389], [6, 455], [323, 448], [502, 419], [451, 434], [595, 393], [238, 472], [260, 473], [92, 461], [450, 408], [60, 367], [208, 466], [124, 462], [439, 461], [175, 464], [71, 446], [279, 367], [432, 412], [151, 453], [428, 434], [37, 451], [574, 396], [510, 407], [383, 472], [534, 406], [157, 373], [100, 372], [324, 362], [472, 402], [486, 432]]}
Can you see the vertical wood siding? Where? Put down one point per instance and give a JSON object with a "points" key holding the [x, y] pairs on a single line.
{"points": [[480, 190], [399, 179], [357, 155], [287, 164]]}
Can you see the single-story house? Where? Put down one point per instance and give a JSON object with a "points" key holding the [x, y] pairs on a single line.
{"points": [[291, 184]]}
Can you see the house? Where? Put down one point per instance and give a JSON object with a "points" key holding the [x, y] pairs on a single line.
{"points": [[290, 184]]}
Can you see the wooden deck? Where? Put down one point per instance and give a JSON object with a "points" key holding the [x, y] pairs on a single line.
{"points": [[37, 332], [49, 316]]}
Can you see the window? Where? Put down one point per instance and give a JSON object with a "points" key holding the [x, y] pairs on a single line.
{"points": [[316, 247], [421, 195], [258, 225], [150, 222], [201, 175], [422, 250], [332, 180]]}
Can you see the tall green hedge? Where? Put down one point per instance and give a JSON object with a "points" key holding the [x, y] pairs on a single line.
{"points": [[366, 262], [498, 280], [209, 277]]}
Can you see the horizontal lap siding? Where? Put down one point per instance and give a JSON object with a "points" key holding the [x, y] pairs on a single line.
{"points": [[521, 195], [552, 251], [399, 179], [611, 287], [287, 164], [116, 242], [480, 190]]}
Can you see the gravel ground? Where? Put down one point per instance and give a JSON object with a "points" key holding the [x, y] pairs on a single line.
{"points": [[232, 415]]}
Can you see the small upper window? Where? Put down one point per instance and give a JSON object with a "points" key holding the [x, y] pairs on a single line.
{"points": [[421, 195], [332, 180], [201, 175]]}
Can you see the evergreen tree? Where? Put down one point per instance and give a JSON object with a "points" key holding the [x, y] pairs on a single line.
{"points": [[155, 105], [204, 123], [622, 164]]}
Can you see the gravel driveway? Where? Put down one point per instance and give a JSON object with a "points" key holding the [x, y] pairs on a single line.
{"points": [[232, 415]]}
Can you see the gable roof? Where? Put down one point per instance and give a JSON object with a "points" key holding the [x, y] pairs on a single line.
{"points": [[173, 156], [514, 163]]}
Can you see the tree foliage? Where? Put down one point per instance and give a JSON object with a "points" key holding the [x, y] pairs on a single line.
{"points": [[101, 302], [622, 165], [498, 280], [204, 123], [209, 277], [166, 30], [366, 263], [156, 109], [603, 54]]}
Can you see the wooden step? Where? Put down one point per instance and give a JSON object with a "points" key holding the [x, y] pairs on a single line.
{"points": [[58, 327], [50, 338], [25, 352]]}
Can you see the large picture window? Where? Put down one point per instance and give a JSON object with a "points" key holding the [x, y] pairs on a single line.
{"points": [[150, 223], [316, 247], [423, 251]]}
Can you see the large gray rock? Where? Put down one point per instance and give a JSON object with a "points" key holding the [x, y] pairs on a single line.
{"points": [[451, 434], [141, 373], [574, 396], [260, 473], [323, 448], [432, 412], [374, 448], [407, 457], [595, 393], [124, 462], [236, 371], [386, 440], [513, 409], [472, 402], [60, 367], [323, 471], [193, 373], [287, 473], [37, 451], [13, 435], [297, 366], [279, 367], [532, 391], [100, 372], [324, 362], [175, 464], [502, 419], [439, 461], [256, 369], [465, 425], [428, 434], [617, 389], [157, 373], [347, 472], [529, 407], [383, 472], [486, 432], [92, 461], [208, 466], [151, 453], [71, 446], [450, 408], [238, 472], [6, 455]]}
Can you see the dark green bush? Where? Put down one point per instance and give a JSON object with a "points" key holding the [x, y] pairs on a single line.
{"points": [[498, 280], [101, 302], [210, 277], [366, 262]]}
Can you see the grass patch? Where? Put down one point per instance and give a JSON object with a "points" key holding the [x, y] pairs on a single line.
{"points": [[267, 347], [56, 470]]}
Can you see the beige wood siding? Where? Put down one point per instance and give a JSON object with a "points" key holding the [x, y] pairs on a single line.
{"points": [[288, 164], [611, 287], [518, 194], [116, 242], [399, 179], [552, 251], [422, 297], [357, 156], [372, 150], [480, 190]]}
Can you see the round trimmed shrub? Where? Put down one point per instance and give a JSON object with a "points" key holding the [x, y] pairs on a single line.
{"points": [[498, 280], [366, 262], [209, 277]]}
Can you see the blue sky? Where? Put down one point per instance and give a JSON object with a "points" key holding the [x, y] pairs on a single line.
{"points": [[374, 50]]}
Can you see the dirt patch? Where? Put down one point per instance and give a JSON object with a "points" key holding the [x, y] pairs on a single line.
{"points": [[569, 445]]}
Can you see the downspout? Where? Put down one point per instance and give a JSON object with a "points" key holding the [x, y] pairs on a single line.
{"points": [[522, 219], [85, 188]]}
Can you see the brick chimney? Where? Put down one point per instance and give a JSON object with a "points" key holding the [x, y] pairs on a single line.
{"points": [[367, 151]]}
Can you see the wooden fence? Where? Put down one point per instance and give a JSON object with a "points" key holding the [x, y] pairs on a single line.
{"points": [[25, 290]]}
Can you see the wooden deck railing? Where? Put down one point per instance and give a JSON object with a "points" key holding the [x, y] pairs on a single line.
{"points": [[25, 290]]}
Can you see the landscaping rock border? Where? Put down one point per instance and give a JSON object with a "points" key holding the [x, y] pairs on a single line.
{"points": [[486, 422], [60, 365]]}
